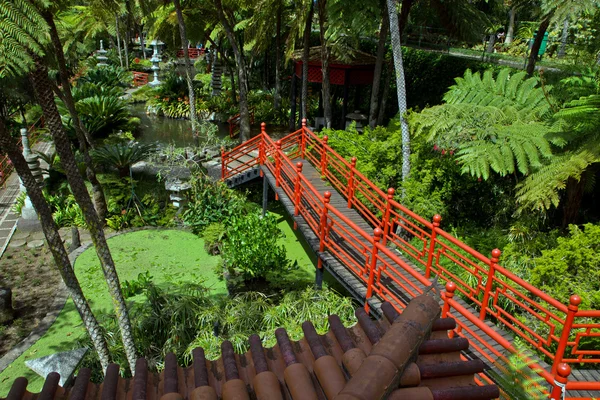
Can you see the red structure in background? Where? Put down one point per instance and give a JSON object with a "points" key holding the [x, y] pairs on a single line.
{"points": [[355, 70], [192, 52], [561, 332], [234, 123], [140, 78]]}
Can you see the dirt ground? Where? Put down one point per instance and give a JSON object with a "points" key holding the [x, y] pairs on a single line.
{"points": [[34, 280]]}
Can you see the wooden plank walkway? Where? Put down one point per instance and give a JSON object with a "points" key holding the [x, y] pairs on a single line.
{"points": [[356, 284]]}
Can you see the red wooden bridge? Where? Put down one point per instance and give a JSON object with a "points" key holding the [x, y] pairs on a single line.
{"points": [[382, 251]]}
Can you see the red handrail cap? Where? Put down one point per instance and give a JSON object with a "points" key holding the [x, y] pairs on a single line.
{"points": [[353, 160], [391, 191], [575, 300], [563, 370], [377, 232], [327, 195], [325, 138], [299, 165], [496, 253], [450, 286]]}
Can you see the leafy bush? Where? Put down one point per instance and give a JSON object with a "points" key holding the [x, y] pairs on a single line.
{"points": [[182, 317], [121, 155], [133, 288], [107, 75], [103, 115], [572, 267], [213, 238], [212, 202], [250, 249]]}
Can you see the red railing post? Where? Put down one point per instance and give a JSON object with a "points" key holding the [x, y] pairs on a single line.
{"points": [[385, 223], [303, 138], [323, 227], [489, 282], [437, 218], [560, 382], [261, 146], [350, 193], [324, 158], [574, 302], [446, 296], [297, 192], [223, 164], [277, 162], [372, 266]]}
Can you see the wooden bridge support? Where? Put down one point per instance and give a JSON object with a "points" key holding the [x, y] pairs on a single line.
{"points": [[265, 199]]}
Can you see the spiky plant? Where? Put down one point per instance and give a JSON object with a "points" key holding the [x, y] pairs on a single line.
{"points": [[121, 156], [494, 124]]}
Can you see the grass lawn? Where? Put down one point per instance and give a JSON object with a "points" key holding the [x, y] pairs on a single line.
{"points": [[170, 257]]}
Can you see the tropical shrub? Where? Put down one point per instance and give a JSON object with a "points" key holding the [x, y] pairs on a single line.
{"points": [[103, 115], [213, 237], [572, 267], [121, 155], [250, 250], [107, 75]]}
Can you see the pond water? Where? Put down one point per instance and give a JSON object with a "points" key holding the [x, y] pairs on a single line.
{"points": [[179, 131]]}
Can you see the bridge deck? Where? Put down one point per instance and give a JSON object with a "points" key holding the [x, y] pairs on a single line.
{"points": [[356, 285]]}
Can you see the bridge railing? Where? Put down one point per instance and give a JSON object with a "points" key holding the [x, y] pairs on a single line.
{"points": [[564, 334]]}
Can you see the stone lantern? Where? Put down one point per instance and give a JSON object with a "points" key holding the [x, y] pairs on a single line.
{"points": [[155, 61], [101, 56], [28, 212]]}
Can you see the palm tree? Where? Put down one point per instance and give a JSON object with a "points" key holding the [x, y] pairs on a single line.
{"points": [[401, 87], [325, 54], [305, 54], [188, 71], [383, 32], [45, 96]]}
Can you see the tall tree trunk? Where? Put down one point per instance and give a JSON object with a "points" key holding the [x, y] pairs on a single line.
{"points": [[510, 33], [43, 91], [242, 74], [118, 39], [55, 244], [404, 12], [563, 40], [383, 32], [325, 54], [126, 48], [80, 130], [537, 43], [278, 58], [384, 95], [142, 41], [188, 72], [305, 54], [234, 98], [572, 203], [401, 87]]}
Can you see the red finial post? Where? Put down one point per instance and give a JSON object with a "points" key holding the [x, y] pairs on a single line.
{"points": [[277, 162], [561, 376], [263, 128], [350, 193], [324, 158], [574, 302], [489, 283], [385, 222], [303, 123], [446, 296], [223, 164], [437, 219], [297, 192], [323, 226], [377, 234]]}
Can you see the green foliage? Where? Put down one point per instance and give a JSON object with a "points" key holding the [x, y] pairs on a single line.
{"points": [[135, 287], [211, 202], [66, 211], [572, 267], [22, 33], [103, 115], [108, 75], [213, 236], [250, 249], [88, 89], [141, 95], [516, 377], [121, 155]]}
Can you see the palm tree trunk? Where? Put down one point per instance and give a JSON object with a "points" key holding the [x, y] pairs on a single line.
{"points": [[56, 246], [278, 59], [325, 54], [384, 95], [563, 40], [142, 42], [80, 130], [126, 48], [574, 195], [242, 74], [383, 32], [404, 12], [305, 54], [188, 71], [537, 43], [401, 87], [118, 39], [43, 90], [510, 33]]}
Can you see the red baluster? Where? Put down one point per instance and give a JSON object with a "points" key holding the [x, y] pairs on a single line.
{"points": [[297, 192], [223, 164], [561, 376], [437, 218], [278, 156], [489, 282], [385, 223], [350, 193], [574, 302], [324, 158], [263, 128], [261, 147], [323, 227], [377, 233], [446, 296], [303, 138]]}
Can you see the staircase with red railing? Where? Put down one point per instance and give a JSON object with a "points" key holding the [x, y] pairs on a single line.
{"points": [[234, 123], [140, 78], [192, 52], [382, 251]]}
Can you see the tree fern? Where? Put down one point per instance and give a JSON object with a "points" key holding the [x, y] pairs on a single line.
{"points": [[22, 32]]}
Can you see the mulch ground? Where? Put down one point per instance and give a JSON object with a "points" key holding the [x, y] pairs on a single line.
{"points": [[34, 280]]}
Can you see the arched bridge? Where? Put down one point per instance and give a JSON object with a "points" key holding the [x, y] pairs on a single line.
{"points": [[382, 251]]}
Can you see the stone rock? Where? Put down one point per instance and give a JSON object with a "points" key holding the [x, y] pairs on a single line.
{"points": [[64, 363], [20, 235], [34, 244], [38, 236], [17, 243]]}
